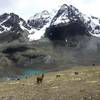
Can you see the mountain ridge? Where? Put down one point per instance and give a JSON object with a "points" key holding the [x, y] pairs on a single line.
{"points": [[37, 25], [67, 38]]}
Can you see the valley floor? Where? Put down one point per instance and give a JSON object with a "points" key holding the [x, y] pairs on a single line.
{"points": [[77, 83]]}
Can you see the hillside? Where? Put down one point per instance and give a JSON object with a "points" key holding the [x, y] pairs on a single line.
{"points": [[69, 86]]}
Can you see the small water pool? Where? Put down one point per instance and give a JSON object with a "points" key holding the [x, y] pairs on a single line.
{"points": [[25, 72], [30, 71]]}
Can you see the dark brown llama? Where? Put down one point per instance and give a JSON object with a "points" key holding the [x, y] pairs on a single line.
{"points": [[76, 73], [40, 79], [57, 76]]}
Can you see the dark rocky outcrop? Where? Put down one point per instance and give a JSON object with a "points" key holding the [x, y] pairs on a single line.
{"points": [[62, 32], [12, 50]]}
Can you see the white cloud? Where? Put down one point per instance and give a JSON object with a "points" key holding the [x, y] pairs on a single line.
{"points": [[29, 7], [88, 6]]}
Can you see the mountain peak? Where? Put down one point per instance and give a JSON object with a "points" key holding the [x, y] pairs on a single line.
{"points": [[64, 6], [39, 20], [65, 14], [69, 22]]}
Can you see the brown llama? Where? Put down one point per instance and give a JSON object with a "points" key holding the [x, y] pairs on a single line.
{"points": [[57, 76], [40, 79], [76, 73], [93, 64]]}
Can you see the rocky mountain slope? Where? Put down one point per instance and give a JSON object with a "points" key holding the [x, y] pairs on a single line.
{"points": [[75, 39], [12, 28], [70, 22], [39, 20], [11, 22], [14, 25]]}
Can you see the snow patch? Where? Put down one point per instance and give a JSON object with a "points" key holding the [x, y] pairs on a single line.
{"points": [[38, 33], [22, 27]]}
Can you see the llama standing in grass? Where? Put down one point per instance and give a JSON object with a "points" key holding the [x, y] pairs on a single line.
{"points": [[40, 79]]}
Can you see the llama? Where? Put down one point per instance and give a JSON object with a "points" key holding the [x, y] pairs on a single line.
{"points": [[76, 73], [40, 79], [93, 64], [57, 76]]}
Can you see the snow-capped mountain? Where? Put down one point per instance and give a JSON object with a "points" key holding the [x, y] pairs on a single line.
{"points": [[67, 14], [69, 21], [39, 20], [12, 22], [35, 26], [12, 28], [75, 32], [69, 18], [38, 24]]}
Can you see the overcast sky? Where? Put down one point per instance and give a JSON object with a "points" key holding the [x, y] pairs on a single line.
{"points": [[27, 8]]}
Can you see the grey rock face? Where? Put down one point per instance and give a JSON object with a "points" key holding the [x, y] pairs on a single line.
{"points": [[70, 22], [39, 20]]}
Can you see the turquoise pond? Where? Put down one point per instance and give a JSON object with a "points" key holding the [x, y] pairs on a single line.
{"points": [[30, 71], [25, 72]]}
